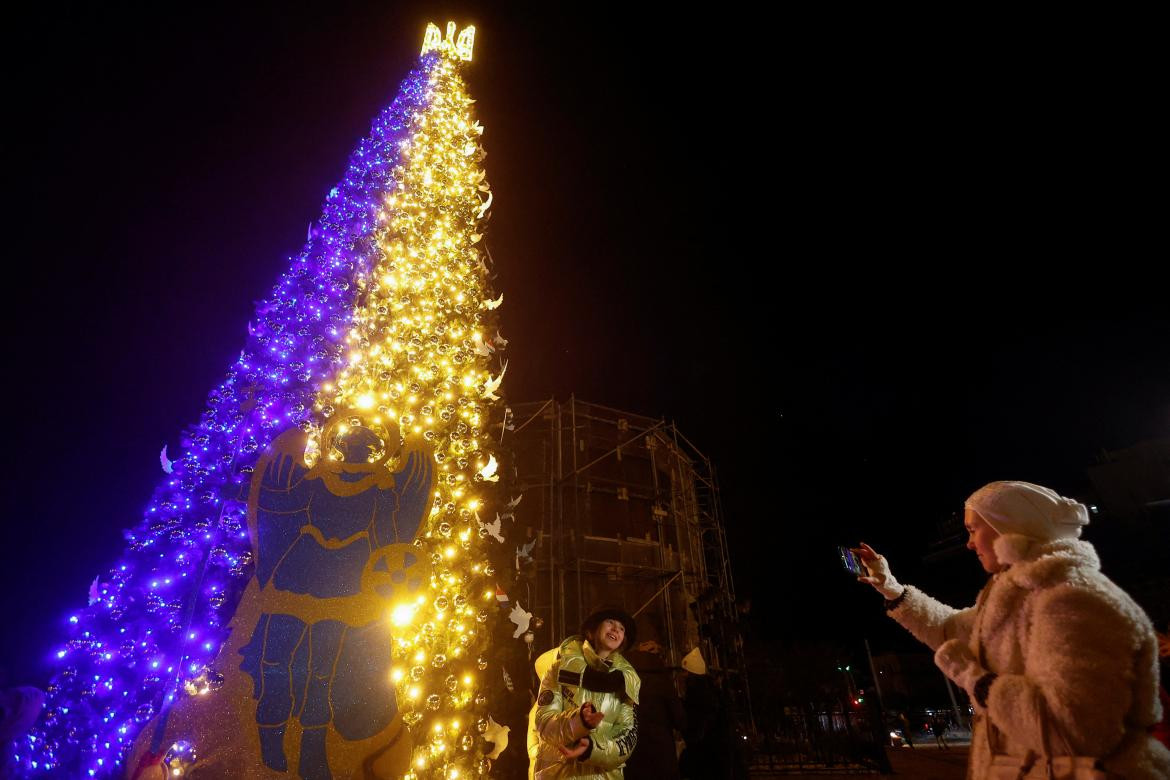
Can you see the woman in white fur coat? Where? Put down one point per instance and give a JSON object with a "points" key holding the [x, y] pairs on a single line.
{"points": [[1051, 643]]}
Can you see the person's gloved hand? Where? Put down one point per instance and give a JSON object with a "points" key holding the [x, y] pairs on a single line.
{"points": [[577, 750], [880, 575], [591, 716], [957, 662]]}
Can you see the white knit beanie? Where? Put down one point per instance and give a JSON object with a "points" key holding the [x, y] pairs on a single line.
{"points": [[1029, 510]]}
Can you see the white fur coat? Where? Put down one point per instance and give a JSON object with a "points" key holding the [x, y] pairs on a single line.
{"points": [[1071, 650]]}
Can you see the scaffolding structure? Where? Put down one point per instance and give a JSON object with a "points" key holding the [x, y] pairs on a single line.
{"points": [[622, 510]]}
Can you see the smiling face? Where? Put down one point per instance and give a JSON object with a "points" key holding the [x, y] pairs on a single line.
{"points": [[608, 637], [981, 538]]}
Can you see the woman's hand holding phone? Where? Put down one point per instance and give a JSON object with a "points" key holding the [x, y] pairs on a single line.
{"points": [[878, 572]]}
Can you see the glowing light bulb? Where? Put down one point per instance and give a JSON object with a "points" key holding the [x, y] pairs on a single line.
{"points": [[402, 614]]}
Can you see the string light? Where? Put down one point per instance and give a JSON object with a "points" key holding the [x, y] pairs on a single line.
{"points": [[416, 377]]}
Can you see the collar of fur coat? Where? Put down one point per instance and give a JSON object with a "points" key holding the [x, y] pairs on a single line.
{"points": [[1035, 564]]}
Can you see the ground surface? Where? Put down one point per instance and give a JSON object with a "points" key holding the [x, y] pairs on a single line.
{"points": [[924, 762]]}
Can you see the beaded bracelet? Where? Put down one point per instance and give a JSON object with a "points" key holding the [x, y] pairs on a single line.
{"points": [[894, 603]]}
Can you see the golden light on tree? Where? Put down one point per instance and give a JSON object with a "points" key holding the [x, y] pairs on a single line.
{"points": [[419, 374]]}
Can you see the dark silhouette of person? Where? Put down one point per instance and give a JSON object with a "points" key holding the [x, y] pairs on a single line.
{"points": [[939, 723], [907, 729], [708, 754], [660, 714]]}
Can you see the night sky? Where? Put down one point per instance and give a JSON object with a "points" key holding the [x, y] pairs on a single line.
{"points": [[864, 273]]}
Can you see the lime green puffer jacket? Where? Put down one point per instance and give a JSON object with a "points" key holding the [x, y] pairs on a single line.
{"points": [[557, 716]]}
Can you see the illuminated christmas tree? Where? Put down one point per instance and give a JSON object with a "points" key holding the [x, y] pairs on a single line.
{"points": [[308, 591]]}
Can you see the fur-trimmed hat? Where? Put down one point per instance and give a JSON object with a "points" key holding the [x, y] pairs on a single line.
{"points": [[612, 613], [1029, 510]]}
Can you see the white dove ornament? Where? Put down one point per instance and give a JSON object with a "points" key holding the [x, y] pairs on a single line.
{"points": [[493, 384], [493, 528], [521, 619], [488, 472], [497, 735]]}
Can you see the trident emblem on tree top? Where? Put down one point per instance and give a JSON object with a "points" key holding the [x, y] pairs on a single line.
{"points": [[461, 47]]}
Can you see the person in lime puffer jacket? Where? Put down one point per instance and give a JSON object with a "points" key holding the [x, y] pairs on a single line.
{"points": [[585, 724]]}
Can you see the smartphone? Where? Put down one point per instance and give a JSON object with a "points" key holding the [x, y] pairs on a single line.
{"points": [[851, 562]]}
